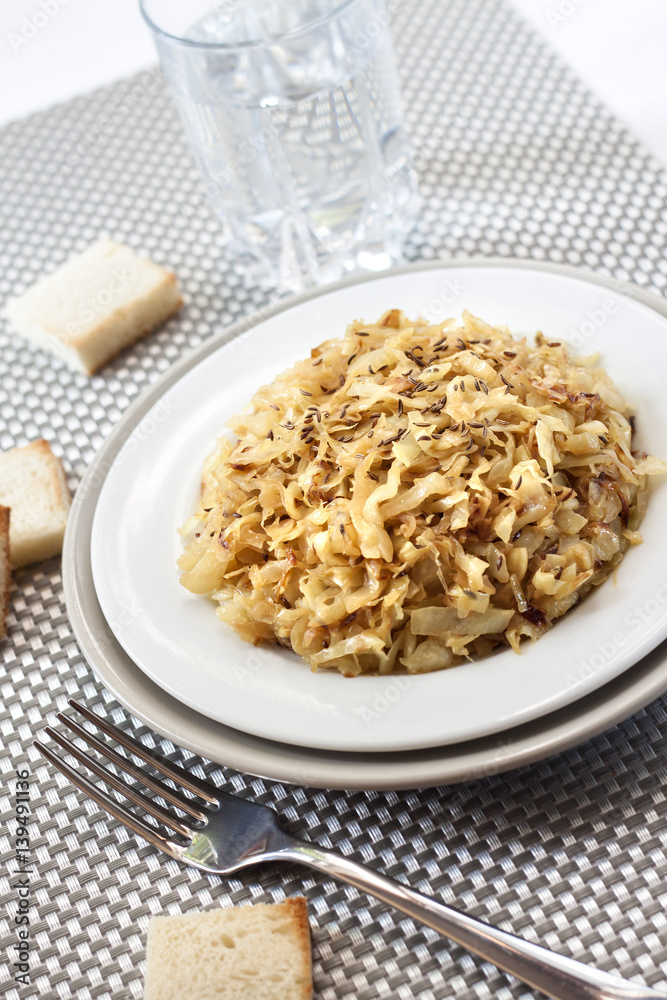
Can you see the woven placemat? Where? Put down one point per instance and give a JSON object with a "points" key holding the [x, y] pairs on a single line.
{"points": [[515, 157]]}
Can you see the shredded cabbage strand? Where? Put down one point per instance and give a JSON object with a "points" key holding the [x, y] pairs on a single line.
{"points": [[414, 495]]}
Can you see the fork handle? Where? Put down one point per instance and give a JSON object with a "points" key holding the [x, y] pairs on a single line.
{"points": [[559, 977]]}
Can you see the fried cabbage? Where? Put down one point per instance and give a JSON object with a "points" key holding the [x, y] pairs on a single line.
{"points": [[414, 495]]}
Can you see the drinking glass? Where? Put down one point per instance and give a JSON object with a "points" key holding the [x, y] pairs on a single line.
{"points": [[293, 113]]}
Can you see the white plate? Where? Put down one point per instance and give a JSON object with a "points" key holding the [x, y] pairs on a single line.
{"points": [[465, 762], [179, 642]]}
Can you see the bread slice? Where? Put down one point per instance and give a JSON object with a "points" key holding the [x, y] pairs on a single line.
{"points": [[34, 487], [96, 304], [259, 952], [5, 569]]}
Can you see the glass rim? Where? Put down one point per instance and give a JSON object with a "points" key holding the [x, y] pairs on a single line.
{"points": [[235, 46]]}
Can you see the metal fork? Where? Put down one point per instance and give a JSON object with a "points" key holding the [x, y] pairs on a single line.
{"points": [[221, 833]]}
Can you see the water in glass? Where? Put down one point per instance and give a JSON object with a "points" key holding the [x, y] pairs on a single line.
{"points": [[292, 109]]}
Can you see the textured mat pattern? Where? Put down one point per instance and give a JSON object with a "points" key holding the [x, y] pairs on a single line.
{"points": [[515, 158]]}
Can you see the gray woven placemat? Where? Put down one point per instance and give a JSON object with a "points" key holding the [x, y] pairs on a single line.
{"points": [[515, 158]]}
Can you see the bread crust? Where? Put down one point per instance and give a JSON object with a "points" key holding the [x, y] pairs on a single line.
{"points": [[43, 448], [297, 910], [282, 928], [32, 546], [142, 331], [5, 569]]}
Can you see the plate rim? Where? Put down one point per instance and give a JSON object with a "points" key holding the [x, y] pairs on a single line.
{"points": [[75, 564], [454, 764], [176, 641]]}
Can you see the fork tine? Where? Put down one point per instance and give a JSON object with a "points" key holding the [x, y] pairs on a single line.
{"points": [[173, 771], [110, 778], [132, 822], [126, 765]]}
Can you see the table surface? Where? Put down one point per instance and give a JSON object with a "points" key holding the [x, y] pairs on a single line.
{"points": [[617, 47], [571, 852]]}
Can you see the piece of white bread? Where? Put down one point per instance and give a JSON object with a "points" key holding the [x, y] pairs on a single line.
{"points": [[5, 569], [95, 304], [259, 952], [34, 487]]}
